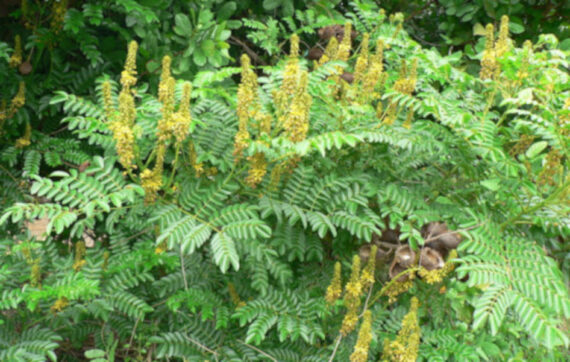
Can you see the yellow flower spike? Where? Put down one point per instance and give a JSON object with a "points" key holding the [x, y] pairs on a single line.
{"points": [[151, 184], [59, 305], [20, 99], [296, 124], [106, 255], [58, 11], [362, 60], [502, 45], [334, 290], [346, 43], [349, 321], [25, 140], [375, 70], [124, 143], [552, 167], [391, 114], [353, 288], [79, 259], [246, 96], [164, 77], [488, 61], [257, 169], [36, 273], [331, 51], [16, 57], [107, 100], [406, 346], [127, 108], [128, 76], [234, 296], [294, 49], [367, 277], [182, 119], [360, 353]]}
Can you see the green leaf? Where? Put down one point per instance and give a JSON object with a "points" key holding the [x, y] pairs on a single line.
{"points": [[271, 4], [95, 353], [224, 250], [183, 25], [536, 149], [492, 184], [515, 28]]}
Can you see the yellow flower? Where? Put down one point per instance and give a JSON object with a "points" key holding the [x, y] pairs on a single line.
{"points": [[406, 346], [360, 353], [374, 71], [353, 291], [16, 57], [257, 169], [488, 61], [502, 45], [335, 289], [36, 274], [346, 43], [59, 305], [362, 60], [296, 124], [25, 140], [108, 101], [408, 122], [128, 76], [151, 182], [331, 51], [58, 11], [246, 96], [163, 91], [79, 260]]}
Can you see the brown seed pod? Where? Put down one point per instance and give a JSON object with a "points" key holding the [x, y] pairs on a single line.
{"points": [[364, 253], [405, 256], [25, 68], [348, 77], [396, 269], [440, 236], [431, 259], [315, 53]]}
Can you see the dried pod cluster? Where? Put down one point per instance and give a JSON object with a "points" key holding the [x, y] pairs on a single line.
{"points": [[439, 240]]}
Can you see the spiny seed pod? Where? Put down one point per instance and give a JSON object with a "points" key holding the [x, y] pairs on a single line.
{"points": [[315, 53], [396, 269], [25, 68], [347, 77], [439, 237], [431, 259]]}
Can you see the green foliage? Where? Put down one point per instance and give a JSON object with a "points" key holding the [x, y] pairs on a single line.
{"points": [[215, 264]]}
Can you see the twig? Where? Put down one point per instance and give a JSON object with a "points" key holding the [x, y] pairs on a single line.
{"points": [[248, 50], [366, 302], [339, 338], [258, 350], [183, 267], [432, 238], [202, 346]]}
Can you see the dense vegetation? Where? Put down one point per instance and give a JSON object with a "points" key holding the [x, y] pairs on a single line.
{"points": [[284, 180]]}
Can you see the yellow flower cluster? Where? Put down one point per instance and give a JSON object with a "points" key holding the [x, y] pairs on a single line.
{"points": [[36, 273], [59, 305], [79, 260], [345, 46], [552, 167], [360, 353], [296, 124], [235, 296], [246, 96], [198, 167], [488, 61], [106, 255], [124, 142], [374, 74], [25, 140], [503, 42], [162, 247], [367, 277], [282, 97], [163, 88], [108, 101], [128, 75], [334, 290], [406, 83], [436, 275], [330, 51], [397, 288], [151, 182], [353, 290], [58, 11], [406, 346], [525, 62], [522, 145], [16, 57], [362, 61], [257, 169]]}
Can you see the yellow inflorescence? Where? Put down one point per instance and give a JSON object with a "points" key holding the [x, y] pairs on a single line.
{"points": [[246, 96], [346, 43], [58, 11], [106, 255], [128, 76], [108, 101], [503, 45], [151, 182], [235, 296], [406, 83], [374, 73], [182, 119], [331, 51], [353, 290], [296, 124], [397, 288], [16, 57], [79, 260], [488, 61], [36, 273], [25, 140], [522, 73], [257, 169], [163, 91], [360, 353], [334, 290], [406, 346], [59, 305], [362, 61], [552, 167], [166, 123]]}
